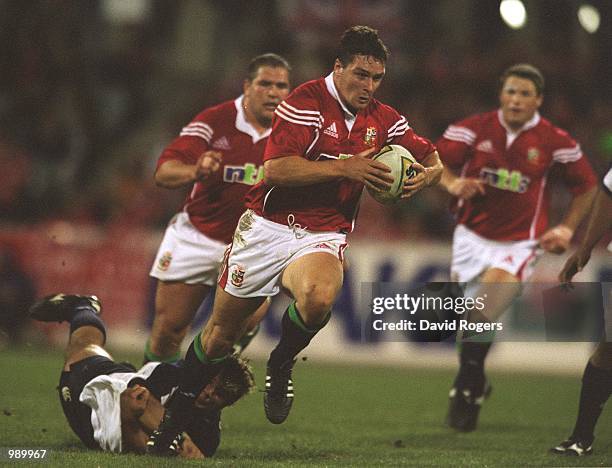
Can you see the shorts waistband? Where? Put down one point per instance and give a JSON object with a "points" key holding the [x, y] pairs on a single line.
{"points": [[281, 227]]}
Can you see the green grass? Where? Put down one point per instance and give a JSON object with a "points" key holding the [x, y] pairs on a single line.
{"points": [[342, 416]]}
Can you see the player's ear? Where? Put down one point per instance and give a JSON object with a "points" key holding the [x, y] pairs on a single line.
{"points": [[540, 100], [245, 85], [338, 66]]}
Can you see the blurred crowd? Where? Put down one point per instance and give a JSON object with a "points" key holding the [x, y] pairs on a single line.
{"points": [[92, 91]]}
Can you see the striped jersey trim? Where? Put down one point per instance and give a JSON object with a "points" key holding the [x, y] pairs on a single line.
{"points": [[397, 129], [460, 134], [198, 129], [565, 155], [298, 116]]}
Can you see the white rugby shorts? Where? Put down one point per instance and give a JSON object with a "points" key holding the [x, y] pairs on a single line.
{"points": [[473, 255], [187, 255], [262, 249]]}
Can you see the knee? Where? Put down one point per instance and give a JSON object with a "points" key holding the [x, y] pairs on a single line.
{"points": [[167, 324], [316, 300]]}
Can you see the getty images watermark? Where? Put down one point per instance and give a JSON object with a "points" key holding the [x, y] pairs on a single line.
{"points": [[426, 313]]}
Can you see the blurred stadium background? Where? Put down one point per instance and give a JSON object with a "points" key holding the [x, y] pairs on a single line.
{"points": [[91, 91]]}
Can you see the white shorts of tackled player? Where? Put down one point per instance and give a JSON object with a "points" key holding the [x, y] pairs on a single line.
{"points": [[400, 161]]}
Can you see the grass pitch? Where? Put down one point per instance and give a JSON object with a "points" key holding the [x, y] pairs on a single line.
{"points": [[342, 416]]}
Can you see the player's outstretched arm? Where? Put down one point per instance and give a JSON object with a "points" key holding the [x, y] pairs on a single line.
{"points": [[461, 187], [427, 174], [296, 171], [600, 222], [557, 239], [175, 174]]}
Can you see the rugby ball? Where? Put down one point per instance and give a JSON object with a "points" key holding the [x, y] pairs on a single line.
{"points": [[400, 161]]}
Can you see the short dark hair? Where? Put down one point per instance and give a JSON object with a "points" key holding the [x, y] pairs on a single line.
{"points": [[266, 60], [235, 380], [526, 71], [361, 40]]}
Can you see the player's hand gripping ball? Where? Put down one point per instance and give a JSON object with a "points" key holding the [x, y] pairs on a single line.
{"points": [[400, 161]]}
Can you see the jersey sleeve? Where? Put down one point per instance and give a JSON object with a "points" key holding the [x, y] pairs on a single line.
{"points": [[400, 133], [296, 125], [575, 169], [193, 140], [456, 143]]}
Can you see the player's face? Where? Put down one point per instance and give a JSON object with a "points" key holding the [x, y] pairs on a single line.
{"points": [[519, 101], [358, 81], [140, 415], [211, 396], [261, 96]]}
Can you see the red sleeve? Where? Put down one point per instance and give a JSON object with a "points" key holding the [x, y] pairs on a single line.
{"points": [[400, 133], [296, 123], [193, 140], [573, 165], [455, 145], [419, 147]]}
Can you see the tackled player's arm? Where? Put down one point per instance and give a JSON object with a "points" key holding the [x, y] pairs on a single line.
{"points": [[297, 171]]}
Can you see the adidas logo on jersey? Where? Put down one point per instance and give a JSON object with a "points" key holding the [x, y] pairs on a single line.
{"points": [[331, 130], [485, 146], [222, 144]]}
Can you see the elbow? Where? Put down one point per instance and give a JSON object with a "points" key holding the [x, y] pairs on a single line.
{"points": [[161, 180], [271, 173]]}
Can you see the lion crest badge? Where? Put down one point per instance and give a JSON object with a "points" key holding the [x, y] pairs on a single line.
{"points": [[370, 136], [164, 261], [237, 275]]}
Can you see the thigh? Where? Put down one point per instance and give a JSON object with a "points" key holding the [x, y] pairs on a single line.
{"points": [[498, 289], [313, 270], [177, 302]]}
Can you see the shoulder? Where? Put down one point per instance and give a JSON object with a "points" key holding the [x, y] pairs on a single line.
{"points": [[466, 130], [563, 146], [551, 131], [395, 123], [304, 105], [218, 112], [204, 124]]}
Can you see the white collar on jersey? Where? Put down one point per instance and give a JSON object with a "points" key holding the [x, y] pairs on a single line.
{"points": [[511, 135], [349, 117], [244, 126]]}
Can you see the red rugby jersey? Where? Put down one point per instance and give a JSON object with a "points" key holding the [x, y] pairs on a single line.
{"points": [[312, 122], [515, 169], [215, 204]]}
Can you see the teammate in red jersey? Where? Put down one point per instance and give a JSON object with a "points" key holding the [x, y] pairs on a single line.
{"points": [[220, 155], [317, 162], [597, 377], [497, 166]]}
